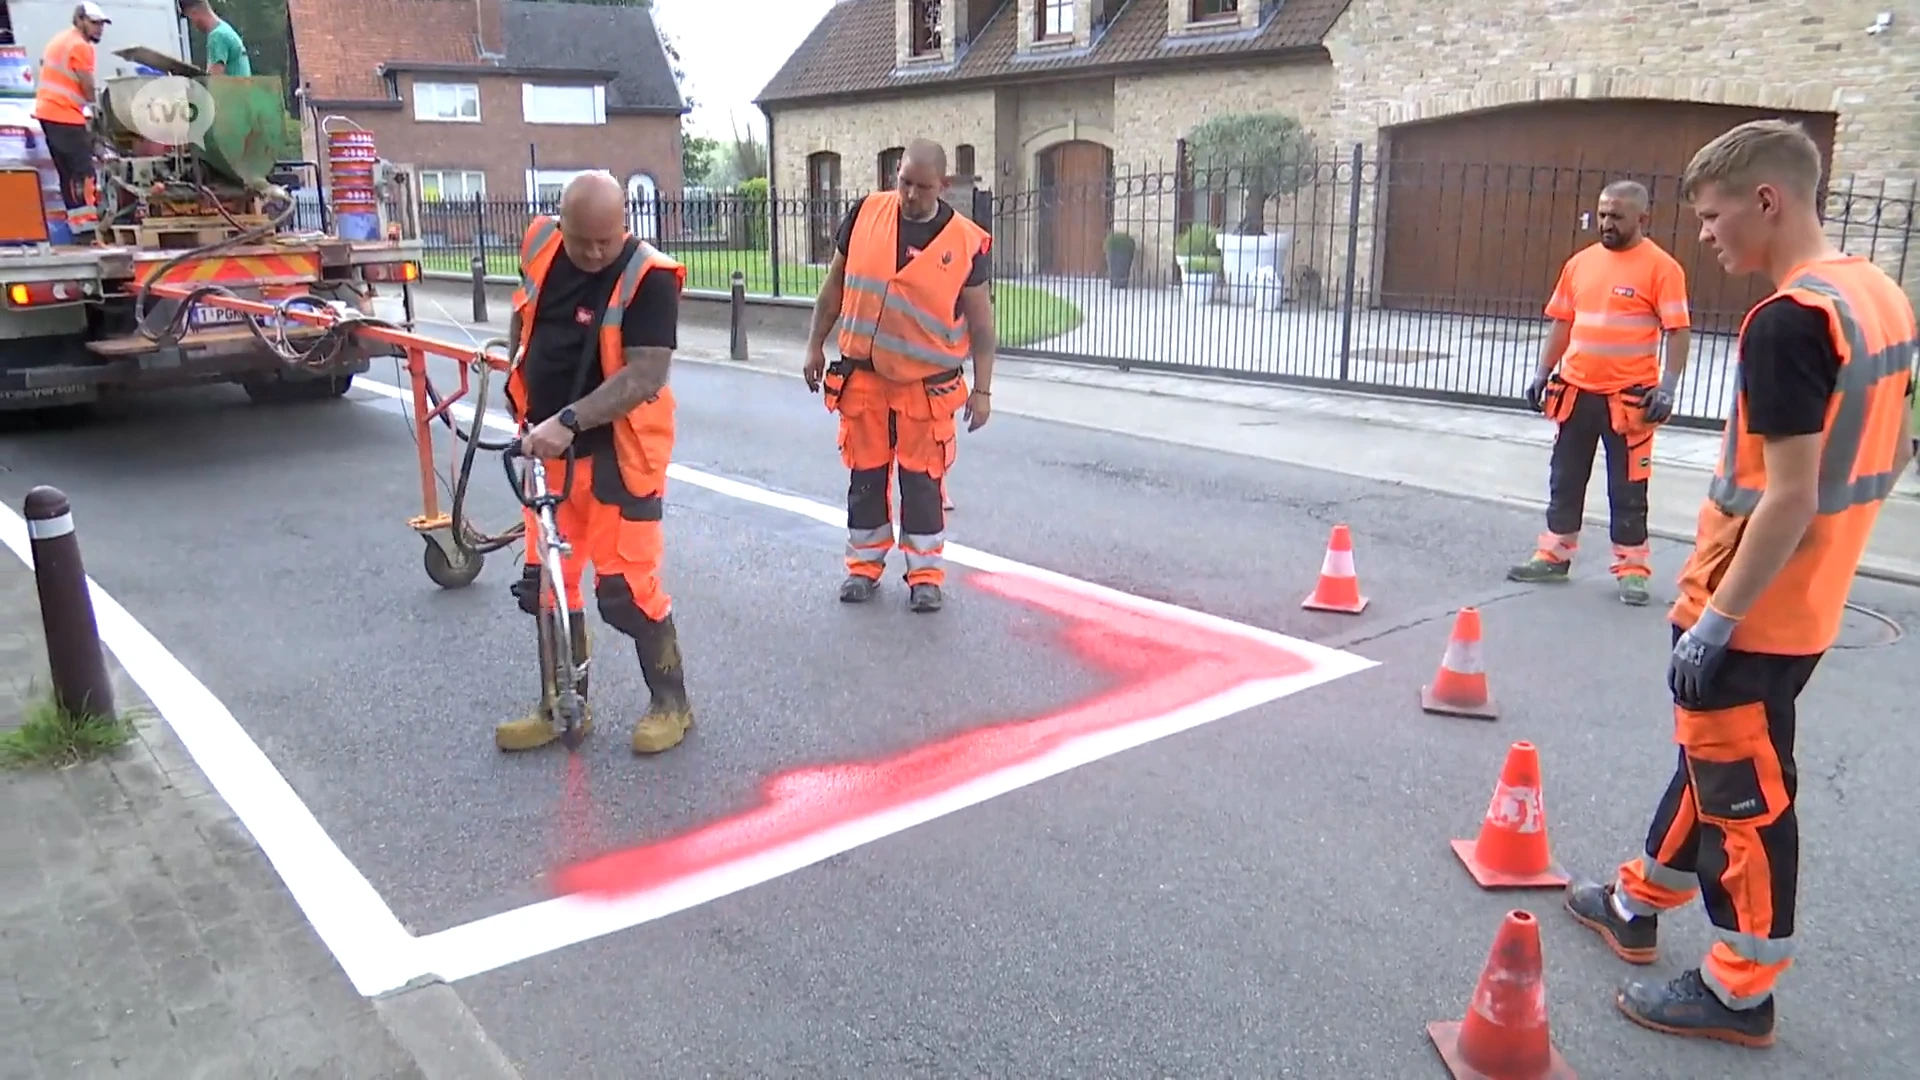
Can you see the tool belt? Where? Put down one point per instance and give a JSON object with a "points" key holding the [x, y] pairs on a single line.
{"points": [[1626, 415], [835, 380]]}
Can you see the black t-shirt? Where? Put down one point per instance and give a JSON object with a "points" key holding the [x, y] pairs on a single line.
{"points": [[1788, 369], [567, 314], [914, 237]]}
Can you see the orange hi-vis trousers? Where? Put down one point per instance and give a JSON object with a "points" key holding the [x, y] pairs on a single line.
{"points": [[625, 554], [1727, 828], [884, 423]]}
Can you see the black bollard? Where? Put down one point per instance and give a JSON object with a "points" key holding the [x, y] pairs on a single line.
{"points": [[74, 656], [739, 345], [479, 289]]}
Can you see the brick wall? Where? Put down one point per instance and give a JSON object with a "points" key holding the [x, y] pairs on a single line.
{"points": [[497, 145], [859, 131], [1402, 60]]}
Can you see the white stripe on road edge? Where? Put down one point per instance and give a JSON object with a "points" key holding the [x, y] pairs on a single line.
{"points": [[372, 947], [376, 951]]}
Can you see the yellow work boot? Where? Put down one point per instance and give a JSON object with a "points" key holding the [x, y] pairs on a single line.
{"points": [[536, 730], [668, 714]]}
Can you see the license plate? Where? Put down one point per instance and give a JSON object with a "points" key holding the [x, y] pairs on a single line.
{"points": [[204, 315]]}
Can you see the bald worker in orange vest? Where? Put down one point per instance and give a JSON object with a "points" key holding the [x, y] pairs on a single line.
{"points": [[62, 104], [908, 287], [1820, 432], [595, 322]]}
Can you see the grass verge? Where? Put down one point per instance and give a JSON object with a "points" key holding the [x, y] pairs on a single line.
{"points": [[1024, 315], [50, 737]]}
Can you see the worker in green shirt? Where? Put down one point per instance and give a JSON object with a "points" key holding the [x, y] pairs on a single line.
{"points": [[226, 53]]}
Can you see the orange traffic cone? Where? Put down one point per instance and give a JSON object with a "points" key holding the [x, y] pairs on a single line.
{"points": [[1504, 1034], [1460, 686], [1339, 589], [1512, 851]]}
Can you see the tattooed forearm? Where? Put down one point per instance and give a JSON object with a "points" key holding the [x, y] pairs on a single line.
{"points": [[642, 377]]}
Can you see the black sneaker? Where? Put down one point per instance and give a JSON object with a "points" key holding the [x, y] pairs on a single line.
{"points": [[1684, 1006], [857, 589], [1634, 940], [925, 598]]}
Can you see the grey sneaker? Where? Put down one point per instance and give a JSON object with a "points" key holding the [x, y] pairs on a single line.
{"points": [[1633, 590], [1538, 570]]}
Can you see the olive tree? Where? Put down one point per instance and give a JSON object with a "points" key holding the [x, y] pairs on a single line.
{"points": [[1259, 153]]}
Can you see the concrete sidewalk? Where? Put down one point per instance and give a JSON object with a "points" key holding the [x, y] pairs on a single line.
{"points": [[1482, 453], [144, 934]]}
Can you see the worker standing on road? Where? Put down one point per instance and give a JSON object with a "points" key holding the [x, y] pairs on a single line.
{"points": [[909, 288], [62, 104], [1609, 309], [595, 322], [226, 53], [1816, 440]]}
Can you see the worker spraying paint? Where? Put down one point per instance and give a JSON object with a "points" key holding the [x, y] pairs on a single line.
{"points": [[594, 326]]}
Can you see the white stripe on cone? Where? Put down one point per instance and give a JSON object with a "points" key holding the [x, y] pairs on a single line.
{"points": [[1337, 564], [1463, 657]]}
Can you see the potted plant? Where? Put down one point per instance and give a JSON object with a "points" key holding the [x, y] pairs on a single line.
{"points": [[1260, 154], [1200, 278], [1198, 239], [1120, 250]]}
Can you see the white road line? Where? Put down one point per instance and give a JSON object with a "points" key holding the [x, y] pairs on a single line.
{"points": [[376, 951], [372, 947]]}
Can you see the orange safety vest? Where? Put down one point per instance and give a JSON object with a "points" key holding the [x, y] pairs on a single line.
{"points": [[1799, 613], [643, 439], [59, 98], [906, 321]]}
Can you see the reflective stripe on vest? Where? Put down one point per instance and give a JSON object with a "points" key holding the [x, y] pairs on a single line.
{"points": [[540, 232], [1839, 489], [59, 93]]}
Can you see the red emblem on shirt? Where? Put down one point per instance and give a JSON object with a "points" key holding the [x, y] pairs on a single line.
{"points": [[583, 316], [1623, 291]]}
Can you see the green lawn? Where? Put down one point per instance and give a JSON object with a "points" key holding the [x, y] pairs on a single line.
{"points": [[1023, 314]]}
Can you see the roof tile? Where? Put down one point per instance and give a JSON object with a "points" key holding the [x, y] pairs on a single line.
{"points": [[851, 50]]}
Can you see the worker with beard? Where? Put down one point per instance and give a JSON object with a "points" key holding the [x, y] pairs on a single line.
{"points": [[908, 288], [1600, 380], [63, 104]]}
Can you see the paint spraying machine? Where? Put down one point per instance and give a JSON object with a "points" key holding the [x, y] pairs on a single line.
{"points": [[565, 706]]}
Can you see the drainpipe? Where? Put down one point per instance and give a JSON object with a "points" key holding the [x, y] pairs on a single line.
{"points": [[773, 208]]}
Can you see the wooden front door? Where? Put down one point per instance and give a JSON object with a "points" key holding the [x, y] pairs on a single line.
{"points": [[1482, 210], [1076, 208], [823, 205]]}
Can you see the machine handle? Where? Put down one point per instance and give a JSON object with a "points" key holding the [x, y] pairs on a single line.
{"points": [[542, 496]]}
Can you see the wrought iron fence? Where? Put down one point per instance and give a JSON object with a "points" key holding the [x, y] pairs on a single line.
{"points": [[1419, 278]]}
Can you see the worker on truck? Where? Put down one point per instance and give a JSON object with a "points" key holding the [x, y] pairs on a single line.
{"points": [[62, 104], [226, 53]]}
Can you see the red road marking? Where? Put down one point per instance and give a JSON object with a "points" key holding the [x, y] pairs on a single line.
{"points": [[1164, 664]]}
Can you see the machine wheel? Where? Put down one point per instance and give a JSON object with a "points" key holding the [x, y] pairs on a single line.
{"points": [[289, 391], [446, 573]]}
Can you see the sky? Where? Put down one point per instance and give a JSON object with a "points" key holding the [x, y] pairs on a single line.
{"points": [[730, 49]]}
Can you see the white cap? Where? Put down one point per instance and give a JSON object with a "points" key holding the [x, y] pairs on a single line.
{"points": [[90, 10]]}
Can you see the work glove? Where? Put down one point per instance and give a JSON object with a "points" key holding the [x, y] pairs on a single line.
{"points": [[1697, 657], [1659, 405], [1537, 391]]}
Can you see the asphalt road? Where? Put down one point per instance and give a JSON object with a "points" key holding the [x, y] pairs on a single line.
{"points": [[1269, 895]]}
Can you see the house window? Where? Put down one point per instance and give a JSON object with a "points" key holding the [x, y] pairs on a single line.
{"points": [[449, 185], [453, 102], [1208, 10], [963, 162], [890, 166], [545, 185], [1056, 18], [924, 34], [563, 104]]}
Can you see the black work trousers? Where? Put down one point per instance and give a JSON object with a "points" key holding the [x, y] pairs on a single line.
{"points": [[71, 148], [1588, 426]]}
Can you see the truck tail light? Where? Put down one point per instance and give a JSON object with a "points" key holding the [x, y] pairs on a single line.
{"points": [[27, 294], [399, 271]]}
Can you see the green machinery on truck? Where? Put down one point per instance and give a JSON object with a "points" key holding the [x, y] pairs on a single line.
{"points": [[75, 321]]}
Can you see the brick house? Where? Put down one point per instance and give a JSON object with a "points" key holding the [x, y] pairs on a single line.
{"points": [[1032, 95], [504, 99]]}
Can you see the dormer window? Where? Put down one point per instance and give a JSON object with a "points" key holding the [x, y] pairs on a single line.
{"points": [[923, 36], [1056, 19], [1214, 10]]}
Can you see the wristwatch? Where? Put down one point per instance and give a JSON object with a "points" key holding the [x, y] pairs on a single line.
{"points": [[569, 420]]}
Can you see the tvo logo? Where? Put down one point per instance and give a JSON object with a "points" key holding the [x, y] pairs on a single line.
{"points": [[172, 111]]}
